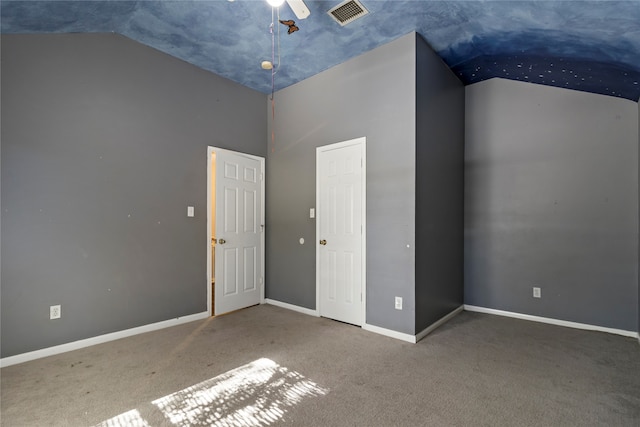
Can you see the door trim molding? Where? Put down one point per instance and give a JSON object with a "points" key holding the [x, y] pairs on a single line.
{"points": [[211, 150], [362, 141]]}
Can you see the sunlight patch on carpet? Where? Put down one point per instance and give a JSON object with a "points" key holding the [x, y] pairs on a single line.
{"points": [[256, 394], [130, 418]]}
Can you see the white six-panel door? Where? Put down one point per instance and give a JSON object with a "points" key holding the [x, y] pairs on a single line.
{"points": [[340, 230], [238, 230]]}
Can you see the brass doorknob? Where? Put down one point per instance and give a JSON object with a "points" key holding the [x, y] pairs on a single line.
{"points": [[221, 241], [323, 242]]}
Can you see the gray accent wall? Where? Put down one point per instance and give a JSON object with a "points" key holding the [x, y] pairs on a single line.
{"points": [[370, 96], [439, 188], [410, 107], [104, 145], [551, 200]]}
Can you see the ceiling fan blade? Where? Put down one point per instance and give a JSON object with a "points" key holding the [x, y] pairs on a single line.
{"points": [[299, 8]]}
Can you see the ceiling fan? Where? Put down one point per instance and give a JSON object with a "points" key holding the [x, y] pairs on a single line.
{"points": [[297, 6]]}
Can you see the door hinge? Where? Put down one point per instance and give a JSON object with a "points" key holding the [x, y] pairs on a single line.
{"points": [[261, 177]]}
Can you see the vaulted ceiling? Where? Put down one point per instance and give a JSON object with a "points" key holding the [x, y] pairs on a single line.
{"points": [[592, 46]]}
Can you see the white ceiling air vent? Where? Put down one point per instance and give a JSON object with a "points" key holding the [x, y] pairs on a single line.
{"points": [[347, 11]]}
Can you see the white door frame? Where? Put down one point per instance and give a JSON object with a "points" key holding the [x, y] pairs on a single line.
{"points": [[210, 151], [363, 143]]}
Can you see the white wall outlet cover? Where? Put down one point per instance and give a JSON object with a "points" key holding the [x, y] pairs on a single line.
{"points": [[537, 292], [54, 312], [398, 303], [190, 211], [312, 213]]}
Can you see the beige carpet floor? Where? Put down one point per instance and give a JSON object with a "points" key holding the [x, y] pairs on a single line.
{"points": [[270, 366]]}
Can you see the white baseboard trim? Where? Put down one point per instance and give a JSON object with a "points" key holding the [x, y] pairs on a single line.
{"points": [[439, 323], [390, 333], [412, 338], [63, 348], [551, 321], [292, 307]]}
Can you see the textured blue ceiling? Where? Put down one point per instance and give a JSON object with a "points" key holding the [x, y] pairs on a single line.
{"points": [[592, 46]]}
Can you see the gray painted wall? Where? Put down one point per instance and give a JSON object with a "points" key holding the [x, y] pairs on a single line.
{"points": [[551, 199], [439, 188], [373, 96], [104, 144]]}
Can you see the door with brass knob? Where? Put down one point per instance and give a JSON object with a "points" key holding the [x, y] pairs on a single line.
{"points": [[239, 214], [340, 218]]}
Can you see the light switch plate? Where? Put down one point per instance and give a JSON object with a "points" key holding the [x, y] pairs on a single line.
{"points": [[312, 213], [190, 211]]}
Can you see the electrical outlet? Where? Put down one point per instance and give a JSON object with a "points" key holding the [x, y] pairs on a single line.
{"points": [[536, 292], [54, 312], [398, 303]]}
